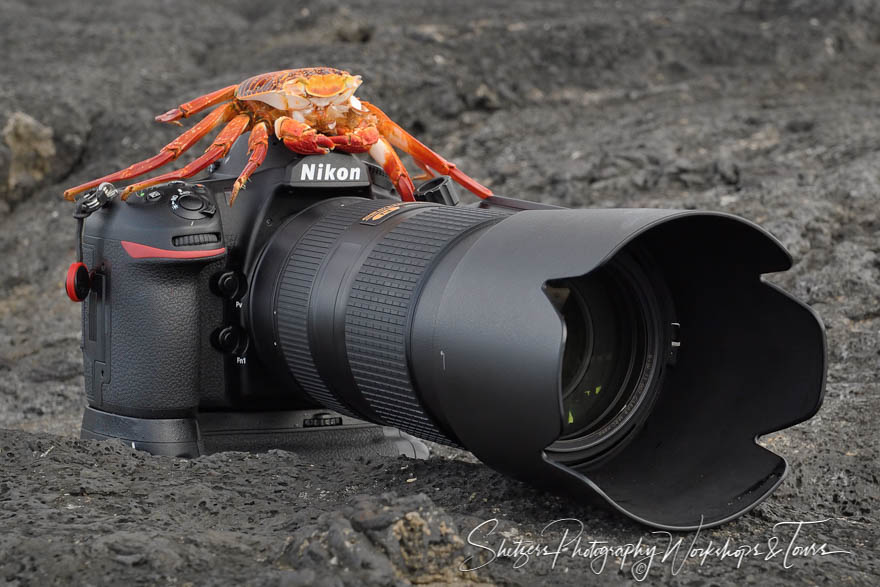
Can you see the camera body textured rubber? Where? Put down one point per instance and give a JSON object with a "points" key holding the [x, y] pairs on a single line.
{"points": [[143, 319]]}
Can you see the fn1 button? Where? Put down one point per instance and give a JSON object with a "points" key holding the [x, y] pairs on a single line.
{"points": [[229, 339]]}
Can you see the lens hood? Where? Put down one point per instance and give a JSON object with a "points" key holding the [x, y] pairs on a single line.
{"points": [[488, 345]]}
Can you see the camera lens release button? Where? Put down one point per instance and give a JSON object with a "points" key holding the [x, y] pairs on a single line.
{"points": [[190, 202]]}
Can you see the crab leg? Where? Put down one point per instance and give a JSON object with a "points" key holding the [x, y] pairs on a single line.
{"points": [[189, 108], [218, 149], [385, 156], [258, 145], [422, 154], [169, 152], [426, 172]]}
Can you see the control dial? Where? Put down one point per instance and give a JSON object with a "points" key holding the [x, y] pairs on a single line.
{"points": [[191, 202]]}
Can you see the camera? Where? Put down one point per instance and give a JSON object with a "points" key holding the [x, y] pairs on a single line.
{"points": [[627, 355]]}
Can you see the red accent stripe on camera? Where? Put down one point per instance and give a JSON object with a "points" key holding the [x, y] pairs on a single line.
{"points": [[139, 251]]}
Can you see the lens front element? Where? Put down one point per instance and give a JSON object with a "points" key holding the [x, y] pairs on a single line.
{"points": [[605, 373]]}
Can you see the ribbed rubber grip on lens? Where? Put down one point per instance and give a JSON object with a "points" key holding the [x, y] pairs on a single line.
{"points": [[294, 293], [379, 307]]}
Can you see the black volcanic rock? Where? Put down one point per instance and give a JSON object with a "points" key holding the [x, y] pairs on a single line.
{"points": [[763, 109]]}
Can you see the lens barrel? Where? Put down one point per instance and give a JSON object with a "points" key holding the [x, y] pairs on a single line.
{"points": [[344, 305]]}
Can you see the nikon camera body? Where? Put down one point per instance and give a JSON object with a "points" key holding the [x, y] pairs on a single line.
{"points": [[172, 365]]}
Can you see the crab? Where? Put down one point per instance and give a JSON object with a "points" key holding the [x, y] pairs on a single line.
{"points": [[311, 110]]}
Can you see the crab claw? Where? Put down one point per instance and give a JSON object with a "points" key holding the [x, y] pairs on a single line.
{"points": [[301, 138], [358, 141]]}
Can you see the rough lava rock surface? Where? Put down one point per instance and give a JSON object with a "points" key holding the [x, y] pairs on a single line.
{"points": [[768, 110]]}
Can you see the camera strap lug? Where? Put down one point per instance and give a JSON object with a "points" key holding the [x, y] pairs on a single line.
{"points": [[439, 190]]}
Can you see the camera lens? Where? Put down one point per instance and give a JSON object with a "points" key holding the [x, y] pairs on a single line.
{"points": [[347, 294], [611, 338], [542, 341]]}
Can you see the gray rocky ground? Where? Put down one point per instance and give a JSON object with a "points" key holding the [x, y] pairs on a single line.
{"points": [[764, 109]]}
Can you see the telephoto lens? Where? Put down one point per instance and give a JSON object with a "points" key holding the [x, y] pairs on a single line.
{"points": [[633, 355]]}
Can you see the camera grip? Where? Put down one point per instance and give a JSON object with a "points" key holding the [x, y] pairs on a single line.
{"points": [[142, 332]]}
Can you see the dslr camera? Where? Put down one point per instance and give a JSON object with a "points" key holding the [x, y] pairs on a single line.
{"points": [[630, 355]]}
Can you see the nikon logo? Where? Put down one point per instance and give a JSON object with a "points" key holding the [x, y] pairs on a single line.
{"points": [[326, 172]]}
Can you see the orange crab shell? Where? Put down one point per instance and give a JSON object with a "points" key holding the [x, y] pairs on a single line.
{"points": [[289, 88]]}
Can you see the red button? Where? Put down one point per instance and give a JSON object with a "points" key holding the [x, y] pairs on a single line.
{"points": [[78, 282]]}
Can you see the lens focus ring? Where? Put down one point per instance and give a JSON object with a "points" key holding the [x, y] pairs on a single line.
{"points": [[381, 301]]}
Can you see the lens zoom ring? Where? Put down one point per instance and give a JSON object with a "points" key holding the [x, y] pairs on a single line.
{"points": [[294, 293], [379, 305]]}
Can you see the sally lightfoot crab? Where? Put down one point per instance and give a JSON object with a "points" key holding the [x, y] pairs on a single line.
{"points": [[311, 110]]}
